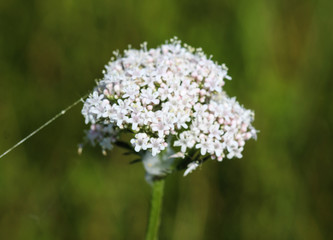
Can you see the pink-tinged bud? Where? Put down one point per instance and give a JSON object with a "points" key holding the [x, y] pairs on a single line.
{"points": [[109, 87], [117, 88], [106, 92], [244, 127], [241, 143], [220, 120], [248, 135], [220, 158], [238, 136], [150, 59], [150, 107]]}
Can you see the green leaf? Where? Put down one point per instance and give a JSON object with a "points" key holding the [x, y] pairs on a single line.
{"points": [[124, 145], [132, 153], [136, 161]]}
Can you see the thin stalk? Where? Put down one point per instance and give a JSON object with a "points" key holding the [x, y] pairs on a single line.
{"points": [[155, 210]]}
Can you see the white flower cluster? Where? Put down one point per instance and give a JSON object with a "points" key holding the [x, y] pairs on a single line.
{"points": [[169, 97]]}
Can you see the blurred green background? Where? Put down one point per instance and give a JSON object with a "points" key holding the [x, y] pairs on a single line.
{"points": [[280, 55]]}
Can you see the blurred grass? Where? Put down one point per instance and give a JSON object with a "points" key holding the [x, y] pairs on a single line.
{"points": [[280, 56]]}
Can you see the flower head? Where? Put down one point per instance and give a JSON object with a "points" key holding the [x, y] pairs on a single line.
{"points": [[172, 98]]}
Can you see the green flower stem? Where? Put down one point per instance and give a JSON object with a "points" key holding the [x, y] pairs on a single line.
{"points": [[155, 210]]}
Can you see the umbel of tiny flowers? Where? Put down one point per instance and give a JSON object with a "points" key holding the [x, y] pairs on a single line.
{"points": [[171, 100]]}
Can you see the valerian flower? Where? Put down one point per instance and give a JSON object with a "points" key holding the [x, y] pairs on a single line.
{"points": [[172, 100]]}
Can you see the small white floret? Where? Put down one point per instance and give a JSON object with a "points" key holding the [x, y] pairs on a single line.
{"points": [[190, 168]]}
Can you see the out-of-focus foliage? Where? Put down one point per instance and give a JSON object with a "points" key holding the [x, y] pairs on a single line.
{"points": [[280, 55]]}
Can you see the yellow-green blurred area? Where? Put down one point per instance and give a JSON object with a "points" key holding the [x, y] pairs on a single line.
{"points": [[280, 55]]}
